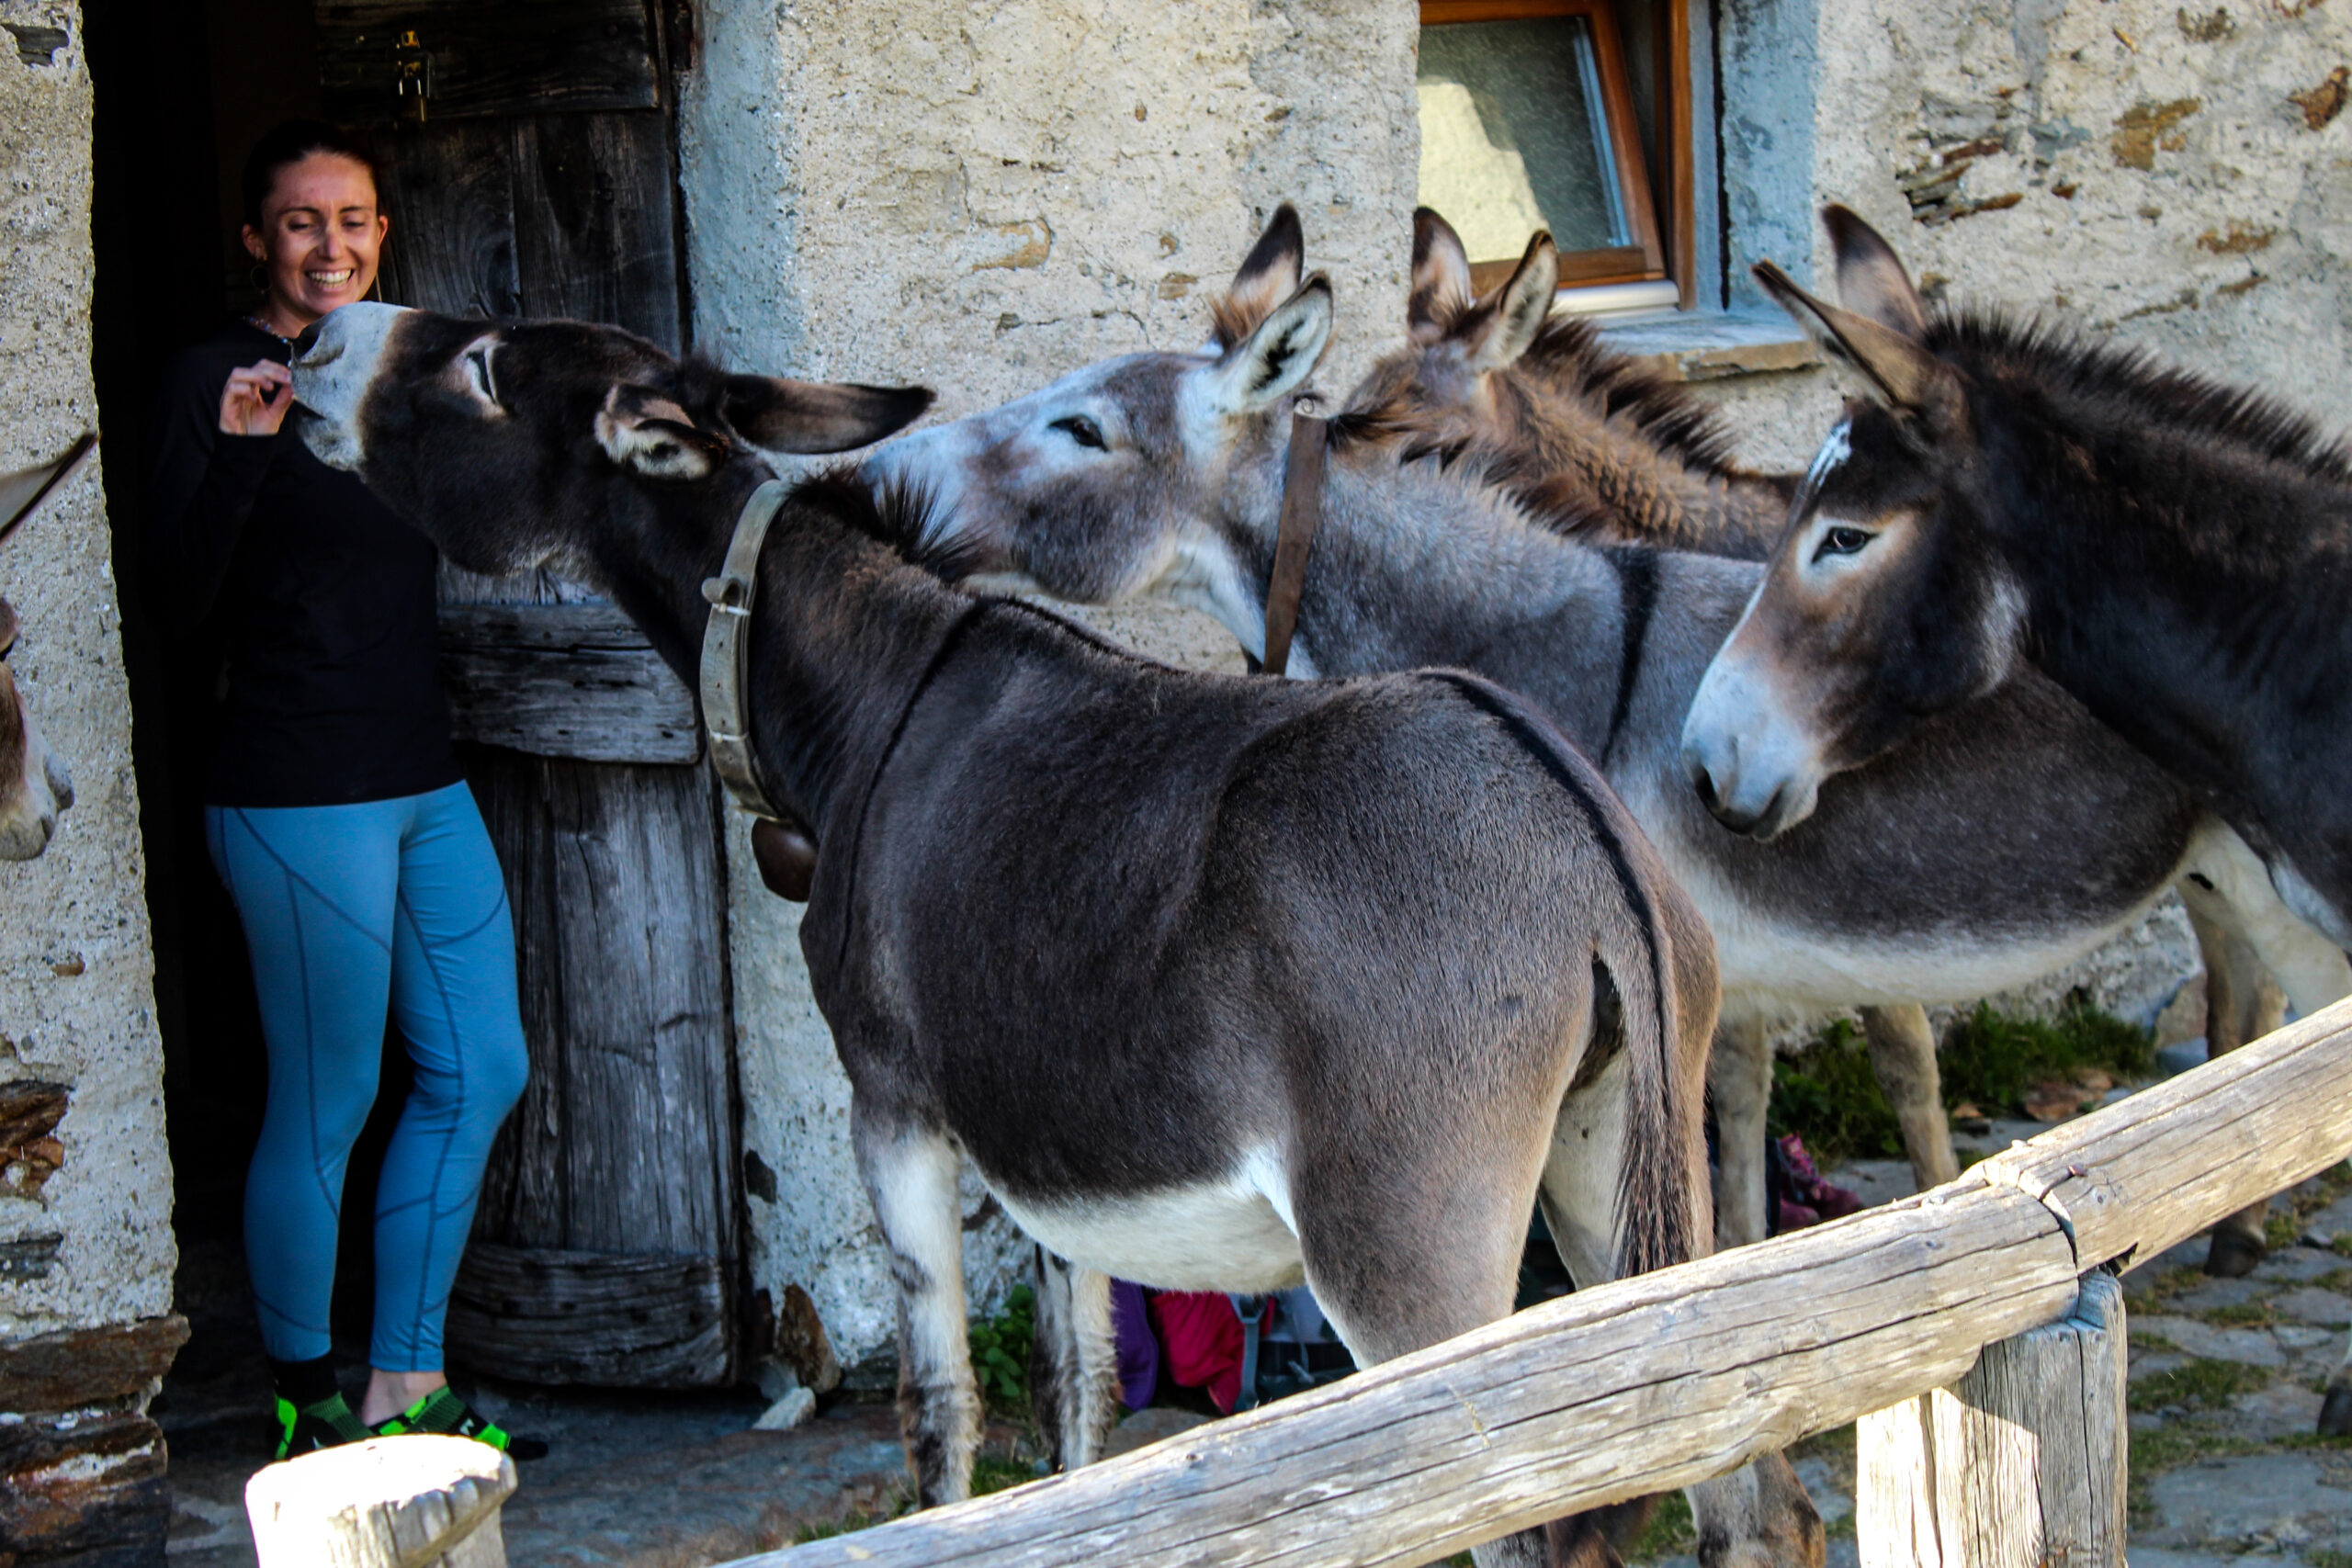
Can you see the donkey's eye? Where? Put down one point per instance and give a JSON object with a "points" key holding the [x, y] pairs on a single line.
{"points": [[477, 371], [1843, 541], [1082, 430]]}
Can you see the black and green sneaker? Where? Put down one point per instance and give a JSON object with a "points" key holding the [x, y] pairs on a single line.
{"points": [[443, 1412], [310, 1410]]}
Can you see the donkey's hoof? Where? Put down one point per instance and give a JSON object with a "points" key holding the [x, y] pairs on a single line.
{"points": [[2233, 1254], [2335, 1412]]}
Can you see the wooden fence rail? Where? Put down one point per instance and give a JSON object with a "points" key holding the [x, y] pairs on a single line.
{"points": [[1654, 1382]]}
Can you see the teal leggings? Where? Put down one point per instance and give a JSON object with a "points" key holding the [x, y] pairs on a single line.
{"points": [[348, 909]]}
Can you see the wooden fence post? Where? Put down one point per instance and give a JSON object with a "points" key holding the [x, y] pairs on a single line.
{"points": [[418, 1501], [2019, 1464]]}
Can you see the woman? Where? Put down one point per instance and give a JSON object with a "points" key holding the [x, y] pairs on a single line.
{"points": [[337, 818]]}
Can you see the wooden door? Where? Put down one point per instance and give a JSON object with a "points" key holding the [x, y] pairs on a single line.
{"points": [[540, 182]]}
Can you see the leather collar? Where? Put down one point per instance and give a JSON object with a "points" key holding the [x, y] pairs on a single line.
{"points": [[1302, 512], [726, 648]]}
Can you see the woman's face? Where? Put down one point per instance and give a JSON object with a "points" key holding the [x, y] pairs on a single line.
{"points": [[320, 235]]}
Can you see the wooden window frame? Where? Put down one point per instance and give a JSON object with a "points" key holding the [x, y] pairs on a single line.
{"points": [[1661, 250]]}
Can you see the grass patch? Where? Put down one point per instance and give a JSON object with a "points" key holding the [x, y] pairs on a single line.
{"points": [[1671, 1532], [997, 1472], [2201, 1384], [2245, 1314], [2327, 1557], [1828, 1094], [1000, 1353], [857, 1519], [1992, 1059], [2153, 1291]]}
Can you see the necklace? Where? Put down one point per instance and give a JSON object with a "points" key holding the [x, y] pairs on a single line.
{"points": [[268, 331]]}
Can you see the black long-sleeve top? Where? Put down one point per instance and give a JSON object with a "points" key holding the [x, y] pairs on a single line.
{"points": [[323, 597]]}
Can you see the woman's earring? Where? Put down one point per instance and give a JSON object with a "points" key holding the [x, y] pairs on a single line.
{"points": [[257, 278]]}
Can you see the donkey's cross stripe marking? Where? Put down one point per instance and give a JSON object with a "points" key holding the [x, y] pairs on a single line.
{"points": [[1637, 599]]}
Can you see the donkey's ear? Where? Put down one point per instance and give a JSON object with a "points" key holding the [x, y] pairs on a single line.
{"points": [[1870, 279], [1276, 359], [1441, 279], [640, 429], [1519, 312], [1900, 368], [811, 416], [1269, 276]]}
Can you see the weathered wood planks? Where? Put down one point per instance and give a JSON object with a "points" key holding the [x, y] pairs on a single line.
{"points": [[623, 1142], [2019, 1464], [612, 1320], [513, 57], [1659, 1380], [573, 681]]}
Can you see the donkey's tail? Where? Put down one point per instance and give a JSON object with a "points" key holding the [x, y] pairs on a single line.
{"points": [[1651, 946]]}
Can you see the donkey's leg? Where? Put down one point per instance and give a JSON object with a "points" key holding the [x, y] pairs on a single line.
{"points": [[1739, 1085], [2241, 1004], [1757, 1517], [2335, 1412], [911, 1175], [1902, 1056], [1073, 1363]]}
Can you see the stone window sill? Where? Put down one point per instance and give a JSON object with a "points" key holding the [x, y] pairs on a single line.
{"points": [[1709, 345]]}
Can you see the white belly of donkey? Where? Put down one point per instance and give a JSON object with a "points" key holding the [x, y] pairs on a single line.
{"points": [[1233, 1233]]}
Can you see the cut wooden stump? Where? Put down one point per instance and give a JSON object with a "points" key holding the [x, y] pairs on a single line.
{"points": [[417, 1501], [2019, 1464]]}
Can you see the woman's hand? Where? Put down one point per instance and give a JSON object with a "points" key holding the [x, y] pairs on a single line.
{"points": [[256, 398]]}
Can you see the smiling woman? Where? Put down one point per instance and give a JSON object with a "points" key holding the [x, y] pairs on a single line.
{"points": [[336, 817]]}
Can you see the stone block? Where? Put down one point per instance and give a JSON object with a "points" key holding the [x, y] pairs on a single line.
{"points": [[77, 1367], [83, 1482]]}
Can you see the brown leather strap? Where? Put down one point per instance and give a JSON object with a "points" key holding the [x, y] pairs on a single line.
{"points": [[1302, 509]]}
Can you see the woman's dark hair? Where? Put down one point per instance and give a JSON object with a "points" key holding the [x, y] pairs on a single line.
{"points": [[288, 144]]}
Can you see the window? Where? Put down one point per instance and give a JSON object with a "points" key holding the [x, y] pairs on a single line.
{"points": [[1566, 115]]}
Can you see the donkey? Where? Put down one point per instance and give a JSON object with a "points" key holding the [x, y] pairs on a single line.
{"points": [[1596, 446], [36, 786], [1220, 983], [2002, 841], [2010, 505]]}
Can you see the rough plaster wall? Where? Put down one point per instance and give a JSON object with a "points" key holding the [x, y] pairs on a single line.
{"points": [[983, 199], [76, 1001], [2174, 176]]}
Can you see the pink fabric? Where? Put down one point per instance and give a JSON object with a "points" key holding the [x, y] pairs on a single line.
{"points": [[1200, 1337]]}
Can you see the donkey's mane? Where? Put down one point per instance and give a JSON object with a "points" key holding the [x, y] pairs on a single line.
{"points": [[1562, 507], [899, 514], [1994, 347], [1569, 348]]}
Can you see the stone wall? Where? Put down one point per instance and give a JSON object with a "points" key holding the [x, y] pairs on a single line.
{"points": [[85, 1187], [982, 200]]}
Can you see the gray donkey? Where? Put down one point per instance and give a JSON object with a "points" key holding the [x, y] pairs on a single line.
{"points": [[1999, 843], [1220, 983], [1593, 443]]}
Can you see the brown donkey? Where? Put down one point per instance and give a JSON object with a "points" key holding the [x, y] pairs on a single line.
{"points": [[1220, 983], [1600, 448], [2012, 503]]}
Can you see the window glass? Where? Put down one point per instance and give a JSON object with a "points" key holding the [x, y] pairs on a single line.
{"points": [[1514, 137]]}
